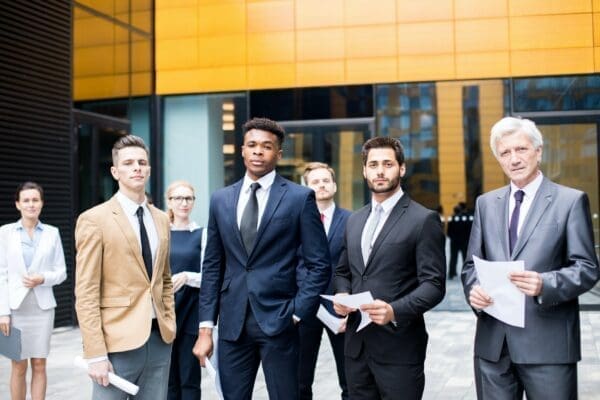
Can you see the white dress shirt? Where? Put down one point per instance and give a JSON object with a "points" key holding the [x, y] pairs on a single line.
{"points": [[530, 192], [262, 195], [387, 206]]}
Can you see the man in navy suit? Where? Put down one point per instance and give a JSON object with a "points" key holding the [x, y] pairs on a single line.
{"points": [[320, 177], [255, 229]]}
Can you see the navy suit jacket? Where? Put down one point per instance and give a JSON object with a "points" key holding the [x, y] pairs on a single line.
{"points": [[266, 278]]}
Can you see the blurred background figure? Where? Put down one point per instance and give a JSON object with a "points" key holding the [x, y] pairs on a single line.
{"points": [[31, 262], [187, 250], [459, 230]]}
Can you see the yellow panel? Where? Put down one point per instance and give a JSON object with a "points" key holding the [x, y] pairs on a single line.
{"points": [[544, 7], [371, 41], [596, 5], [423, 10], [92, 32], [480, 8], [596, 59], [121, 59], [320, 73], [321, 44], [222, 19], [140, 5], [426, 38], [201, 80], [141, 84], [270, 16], [371, 70], [554, 61], [548, 32], [101, 87], [596, 28], [482, 65], [176, 23], [141, 56], [85, 61], [142, 20], [319, 14], [274, 47], [365, 12], [202, 2], [221, 50], [106, 7], [426, 67], [160, 4], [482, 35], [272, 76], [176, 54]]}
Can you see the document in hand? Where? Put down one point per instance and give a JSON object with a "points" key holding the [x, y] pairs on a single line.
{"points": [[354, 301], [113, 379], [10, 346], [212, 365], [508, 302], [329, 320]]}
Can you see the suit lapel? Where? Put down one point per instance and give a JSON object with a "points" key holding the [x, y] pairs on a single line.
{"points": [[161, 230], [501, 213], [276, 193], [16, 249], [335, 223], [231, 201], [395, 215], [356, 235], [541, 202], [125, 227]]}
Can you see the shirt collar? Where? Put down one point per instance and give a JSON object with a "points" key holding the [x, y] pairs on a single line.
{"points": [[129, 206], [38, 227], [265, 181], [328, 212], [192, 226], [389, 203], [531, 188]]}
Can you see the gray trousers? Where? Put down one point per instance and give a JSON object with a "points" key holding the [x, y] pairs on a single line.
{"points": [[146, 366]]}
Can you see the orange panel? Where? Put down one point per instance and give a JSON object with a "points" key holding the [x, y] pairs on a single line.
{"points": [[482, 65], [222, 19], [596, 28], [552, 31], [553, 61], [545, 7], [141, 84], [272, 76], [176, 53], [275, 47], [482, 35], [426, 38], [92, 32], [321, 44], [319, 14], [85, 61], [160, 4], [122, 65], [596, 5], [270, 16], [596, 59], [480, 8], [221, 50], [176, 23], [320, 73], [371, 41], [202, 2], [423, 10], [201, 80], [101, 87], [426, 67], [371, 70], [141, 56], [367, 12]]}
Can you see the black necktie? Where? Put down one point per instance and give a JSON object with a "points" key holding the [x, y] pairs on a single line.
{"points": [[248, 226], [514, 220], [146, 252]]}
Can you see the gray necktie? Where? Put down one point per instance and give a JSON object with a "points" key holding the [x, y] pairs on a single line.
{"points": [[249, 223], [369, 232]]}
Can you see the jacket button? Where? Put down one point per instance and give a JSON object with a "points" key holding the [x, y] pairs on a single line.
{"points": [[364, 278]]}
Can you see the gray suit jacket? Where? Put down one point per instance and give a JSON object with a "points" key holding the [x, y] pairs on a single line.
{"points": [[557, 241]]}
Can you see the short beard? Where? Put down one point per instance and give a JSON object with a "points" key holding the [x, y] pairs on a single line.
{"points": [[391, 187]]}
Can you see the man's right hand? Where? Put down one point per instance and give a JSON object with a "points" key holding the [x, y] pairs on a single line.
{"points": [[204, 345], [99, 370], [479, 299], [342, 309]]}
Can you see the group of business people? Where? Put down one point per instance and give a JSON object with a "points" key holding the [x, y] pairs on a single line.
{"points": [[272, 247]]}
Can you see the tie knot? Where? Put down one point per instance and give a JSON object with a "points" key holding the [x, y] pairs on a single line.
{"points": [[519, 194], [140, 212], [378, 209], [254, 187]]}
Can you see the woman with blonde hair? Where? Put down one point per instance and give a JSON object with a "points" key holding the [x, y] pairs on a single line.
{"points": [[31, 262], [187, 247]]}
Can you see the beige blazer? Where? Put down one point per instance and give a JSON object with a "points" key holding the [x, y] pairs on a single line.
{"points": [[114, 296]]}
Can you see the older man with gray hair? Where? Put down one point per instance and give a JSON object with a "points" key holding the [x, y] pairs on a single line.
{"points": [[548, 226]]}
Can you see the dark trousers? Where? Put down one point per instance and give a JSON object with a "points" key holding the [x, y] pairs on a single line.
{"points": [[369, 379], [239, 361], [505, 380], [456, 247], [184, 377], [311, 331]]}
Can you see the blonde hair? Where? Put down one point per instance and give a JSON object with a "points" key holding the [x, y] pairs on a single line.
{"points": [[173, 186]]}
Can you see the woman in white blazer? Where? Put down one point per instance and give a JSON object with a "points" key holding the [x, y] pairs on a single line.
{"points": [[31, 262]]}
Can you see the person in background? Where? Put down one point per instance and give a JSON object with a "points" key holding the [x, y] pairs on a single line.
{"points": [[31, 263], [459, 230], [186, 259]]}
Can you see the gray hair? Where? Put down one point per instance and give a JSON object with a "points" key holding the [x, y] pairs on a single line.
{"points": [[509, 125]]}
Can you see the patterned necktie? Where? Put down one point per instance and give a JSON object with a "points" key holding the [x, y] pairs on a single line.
{"points": [[146, 252], [514, 220], [249, 223], [369, 232]]}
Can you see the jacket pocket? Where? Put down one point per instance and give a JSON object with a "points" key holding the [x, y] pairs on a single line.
{"points": [[122, 301]]}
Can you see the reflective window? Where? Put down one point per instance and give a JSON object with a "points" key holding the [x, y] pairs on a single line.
{"points": [[564, 93]]}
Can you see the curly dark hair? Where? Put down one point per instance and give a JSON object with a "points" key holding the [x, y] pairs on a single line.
{"points": [[265, 124]]}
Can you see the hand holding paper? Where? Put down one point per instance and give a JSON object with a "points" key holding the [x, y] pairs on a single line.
{"points": [[113, 379], [354, 301]]}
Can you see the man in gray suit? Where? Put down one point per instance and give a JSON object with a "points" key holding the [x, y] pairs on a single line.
{"points": [[548, 226]]}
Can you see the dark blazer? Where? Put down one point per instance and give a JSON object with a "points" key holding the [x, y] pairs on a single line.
{"points": [[266, 278], [406, 268], [557, 241]]}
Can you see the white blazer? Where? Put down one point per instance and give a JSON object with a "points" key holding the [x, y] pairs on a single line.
{"points": [[48, 261]]}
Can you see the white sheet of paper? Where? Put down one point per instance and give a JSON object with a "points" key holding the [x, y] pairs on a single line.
{"points": [[354, 301], [115, 380], [212, 365], [509, 302], [331, 321]]}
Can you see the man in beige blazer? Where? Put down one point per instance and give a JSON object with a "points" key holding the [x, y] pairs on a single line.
{"points": [[124, 294]]}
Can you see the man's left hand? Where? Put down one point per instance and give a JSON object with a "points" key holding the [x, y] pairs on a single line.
{"points": [[528, 282], [379, 311]]}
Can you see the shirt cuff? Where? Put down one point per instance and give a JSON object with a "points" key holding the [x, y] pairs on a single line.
{"points": [[96, 359], [206, 324], [193, 278], [296, 318]]}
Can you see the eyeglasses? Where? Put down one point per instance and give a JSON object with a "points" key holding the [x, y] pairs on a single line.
{"points": [[180, 199]]}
